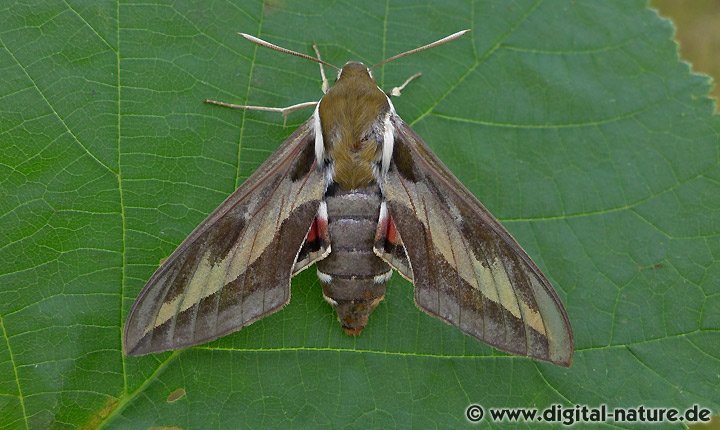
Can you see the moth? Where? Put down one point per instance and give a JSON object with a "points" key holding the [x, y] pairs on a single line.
{"points": [[357, 192]]}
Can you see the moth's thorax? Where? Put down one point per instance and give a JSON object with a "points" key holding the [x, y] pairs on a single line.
{"points": [[351, 117]]}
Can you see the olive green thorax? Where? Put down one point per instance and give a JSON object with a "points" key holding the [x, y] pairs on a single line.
{"points": [[350, 116]]}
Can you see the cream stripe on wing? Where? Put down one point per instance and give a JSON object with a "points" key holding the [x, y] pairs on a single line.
{"points": [[479, 276], [208, 279], [532, 317], [493, 281]]}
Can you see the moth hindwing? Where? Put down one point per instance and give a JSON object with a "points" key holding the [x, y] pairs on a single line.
{"points": [[355, 190]]}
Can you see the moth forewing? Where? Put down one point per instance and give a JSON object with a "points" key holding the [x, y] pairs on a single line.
{"points": [[467, 269], [235, 267]]}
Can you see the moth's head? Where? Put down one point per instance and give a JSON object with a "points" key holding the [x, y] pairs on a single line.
{"points": [[355, 71]]}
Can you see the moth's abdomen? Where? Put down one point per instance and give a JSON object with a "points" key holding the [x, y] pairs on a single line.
{"points": [[352, 276]]}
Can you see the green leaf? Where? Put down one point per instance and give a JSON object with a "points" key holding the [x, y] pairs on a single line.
{"points": [[574, 122]]}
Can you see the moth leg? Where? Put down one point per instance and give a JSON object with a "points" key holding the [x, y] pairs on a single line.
{"points": [[395, 92], [325, 84], [284, 111]]}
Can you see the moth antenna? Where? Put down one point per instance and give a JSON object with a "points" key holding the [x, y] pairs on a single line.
{"points": [[265, 44], [422, 48]]}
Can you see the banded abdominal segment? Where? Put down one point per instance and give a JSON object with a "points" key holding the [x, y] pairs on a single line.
{"points": [[352, 276]]}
